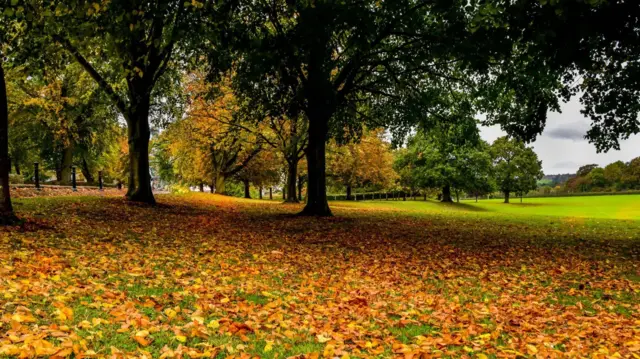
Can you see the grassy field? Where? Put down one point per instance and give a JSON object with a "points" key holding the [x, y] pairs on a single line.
{"points": [[608, 207], [201, 275]]}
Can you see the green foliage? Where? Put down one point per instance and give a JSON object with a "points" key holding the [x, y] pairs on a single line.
{"points": [[517, 168]]}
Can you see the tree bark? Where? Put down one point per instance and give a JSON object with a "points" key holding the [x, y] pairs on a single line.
{"points": [[7, 215], [86, 172], [292, 175], [247, 189], [65, 166], [139, 134], [446, 194], [317, 204], [220, 182], [506, 196], [212, 186], [201, 187], [271, 193], [260, 191], [300, 185], [17, 166], [348, 192]]}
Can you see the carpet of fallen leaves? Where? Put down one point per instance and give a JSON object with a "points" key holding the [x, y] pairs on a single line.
{"points": [[207, 276], [57, 191]]}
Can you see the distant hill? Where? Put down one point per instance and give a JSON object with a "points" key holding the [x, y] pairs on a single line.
{"points": [[554, 180]]}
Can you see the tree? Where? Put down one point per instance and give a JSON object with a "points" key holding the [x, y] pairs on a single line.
{"points": [[345, 63], [262, 170], [613, 174], [565, 48], [586, 169], [127, 47], [516, 166], [368, 162], [211, 142], [64, 115]]}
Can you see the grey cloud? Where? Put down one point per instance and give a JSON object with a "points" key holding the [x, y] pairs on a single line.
{"points": [[567, 133], [565, 164]]}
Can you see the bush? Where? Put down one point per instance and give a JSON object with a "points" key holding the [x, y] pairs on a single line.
{"points": [[16, 178], [179, 189]]}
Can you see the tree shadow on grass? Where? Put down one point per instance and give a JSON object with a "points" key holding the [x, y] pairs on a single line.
{"points": [[461, 206]]}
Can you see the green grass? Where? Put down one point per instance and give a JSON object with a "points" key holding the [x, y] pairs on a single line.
{"points": [[626, 207]]}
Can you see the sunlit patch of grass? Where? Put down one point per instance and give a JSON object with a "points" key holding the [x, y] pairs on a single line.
{"points": [[406, 334]]}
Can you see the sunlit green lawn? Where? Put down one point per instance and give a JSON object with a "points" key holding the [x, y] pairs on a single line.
{"points": [[606, 207]]}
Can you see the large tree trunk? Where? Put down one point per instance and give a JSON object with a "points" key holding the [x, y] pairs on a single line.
{"points": [[317, 204], [300, 185], [292, 175], [201, 186], [139, 135], [446, 194], [220, 182], [17, 166], [6, 210], [348, 192], [506, 196], [260, 192], [65, 166], [86, 171], [247, 189]]}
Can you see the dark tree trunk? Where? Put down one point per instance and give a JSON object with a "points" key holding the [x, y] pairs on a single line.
{"points": [[446, 194], [506, 196], [65, 166], [457, 196], [213, 185], [271, 193], [348, 192], [425, 196], [520, 198], [292, 175], [317, 204], [86, 172], [6, 211], [58, 174], [201, 187], [260, 191], [247, 189], [139, 134], [404, 195], [17, 166], [300, 185]]}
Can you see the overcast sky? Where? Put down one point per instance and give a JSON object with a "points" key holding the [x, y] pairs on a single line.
{"points": [[562, 147]]}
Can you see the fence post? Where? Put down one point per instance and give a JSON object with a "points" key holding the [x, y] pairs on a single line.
{"points": [[73, 178], [100, 180], [36, 174]]}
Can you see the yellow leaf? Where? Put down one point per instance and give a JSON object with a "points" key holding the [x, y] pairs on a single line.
{"points": [[268, 347], [482, 356], [181, 338], [214, 324], [322, 339], [170, 313], [329, 351], [467, 349], [224, 300], [532, 349]]}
